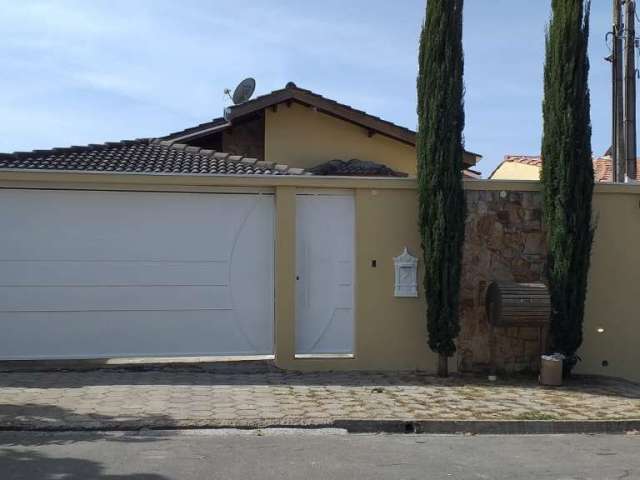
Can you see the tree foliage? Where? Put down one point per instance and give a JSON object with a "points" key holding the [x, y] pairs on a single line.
{"points": [[567, 171], [440, 153]]}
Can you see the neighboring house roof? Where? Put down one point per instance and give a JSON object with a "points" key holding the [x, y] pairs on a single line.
{"points": [[142, 156], [524, 159], [602, 166], [292, 93], [356, 168], [603, 169]]}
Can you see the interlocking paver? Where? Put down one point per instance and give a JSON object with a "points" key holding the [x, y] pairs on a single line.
{"points": [[167, 397]]}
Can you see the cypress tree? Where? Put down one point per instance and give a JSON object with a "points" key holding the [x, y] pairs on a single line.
{"points": [[567, 171], [440, 150]]}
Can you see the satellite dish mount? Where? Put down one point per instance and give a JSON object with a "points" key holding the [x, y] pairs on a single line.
{"points": [[243, 91]]}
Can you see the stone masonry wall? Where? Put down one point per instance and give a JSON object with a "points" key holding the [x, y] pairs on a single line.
{"points": [[504, 241]]}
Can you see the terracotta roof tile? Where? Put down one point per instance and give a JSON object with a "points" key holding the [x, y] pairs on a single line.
{"points": [[524, 159], [603, 169]]}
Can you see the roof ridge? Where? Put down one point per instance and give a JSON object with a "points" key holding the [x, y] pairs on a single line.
{"points": [[228, 157], [75, 148]]}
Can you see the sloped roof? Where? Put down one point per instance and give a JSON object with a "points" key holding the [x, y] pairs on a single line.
{"points": [[142, 156], [293, 93], [602, 166], [346, 112]]}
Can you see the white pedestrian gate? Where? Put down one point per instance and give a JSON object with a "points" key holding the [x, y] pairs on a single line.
{"points": [[324, 274], [89, 274]]}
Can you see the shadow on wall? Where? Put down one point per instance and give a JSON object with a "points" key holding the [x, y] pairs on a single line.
{"points": [[31, 465]]}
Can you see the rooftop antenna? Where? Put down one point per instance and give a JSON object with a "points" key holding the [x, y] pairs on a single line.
{"points": [[243, 91], [241, 94]]}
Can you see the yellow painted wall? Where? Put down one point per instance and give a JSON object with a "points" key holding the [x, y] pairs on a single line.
{"points": [[391, 332], [613, 299], [516, 171], [301, 137]]}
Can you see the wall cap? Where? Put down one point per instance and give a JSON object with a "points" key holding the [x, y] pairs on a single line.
{"points": [[19, 178]]}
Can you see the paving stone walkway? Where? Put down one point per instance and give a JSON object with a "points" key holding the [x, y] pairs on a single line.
{"points": [[192, 397]]}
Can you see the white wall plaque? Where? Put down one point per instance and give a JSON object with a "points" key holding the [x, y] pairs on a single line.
{"points": [[406, 266]]}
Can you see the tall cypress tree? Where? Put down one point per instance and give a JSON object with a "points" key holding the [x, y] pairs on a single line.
{"points": [[440, 150], [567, 170]]}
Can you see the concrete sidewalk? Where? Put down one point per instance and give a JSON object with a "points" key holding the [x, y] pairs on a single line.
{"points": [[192, 397]]}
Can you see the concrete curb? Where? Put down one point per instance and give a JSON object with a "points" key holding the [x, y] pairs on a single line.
{"points": [[502, 427], [476, 427]]}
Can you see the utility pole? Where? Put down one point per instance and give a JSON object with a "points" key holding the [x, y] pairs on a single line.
{"points": [[618, 155], [629, 92]]}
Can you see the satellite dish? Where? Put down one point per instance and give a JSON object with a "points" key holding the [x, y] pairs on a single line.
{"points": [[244, 90]]}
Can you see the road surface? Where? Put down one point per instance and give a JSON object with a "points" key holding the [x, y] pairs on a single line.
{"points": [[265, 455]]}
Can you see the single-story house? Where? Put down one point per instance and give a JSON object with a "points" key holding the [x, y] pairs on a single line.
{"points": [[168, 247], [172, 246], [528, 167]]}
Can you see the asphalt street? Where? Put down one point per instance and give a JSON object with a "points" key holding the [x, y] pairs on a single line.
{"points": [[328, 454]]}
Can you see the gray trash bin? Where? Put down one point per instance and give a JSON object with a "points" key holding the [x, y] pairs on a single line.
{"points": [[551, 369]]}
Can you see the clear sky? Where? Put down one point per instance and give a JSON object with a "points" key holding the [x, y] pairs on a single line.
{"points": [[78, 72]]}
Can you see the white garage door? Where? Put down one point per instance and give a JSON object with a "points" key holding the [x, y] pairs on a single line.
{"points": [[86, 274]]}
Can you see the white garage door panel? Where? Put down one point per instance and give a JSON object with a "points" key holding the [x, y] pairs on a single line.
{"points": [[107, 274], [57, 299], [109, 334], [70, 273], [123, 226]]}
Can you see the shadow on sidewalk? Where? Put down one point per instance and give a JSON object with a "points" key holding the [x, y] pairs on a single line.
{"points": [[53, 419], [31, 465]]}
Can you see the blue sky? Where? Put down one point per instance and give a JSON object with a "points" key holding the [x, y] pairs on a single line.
{"points": [[78, 72]]}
